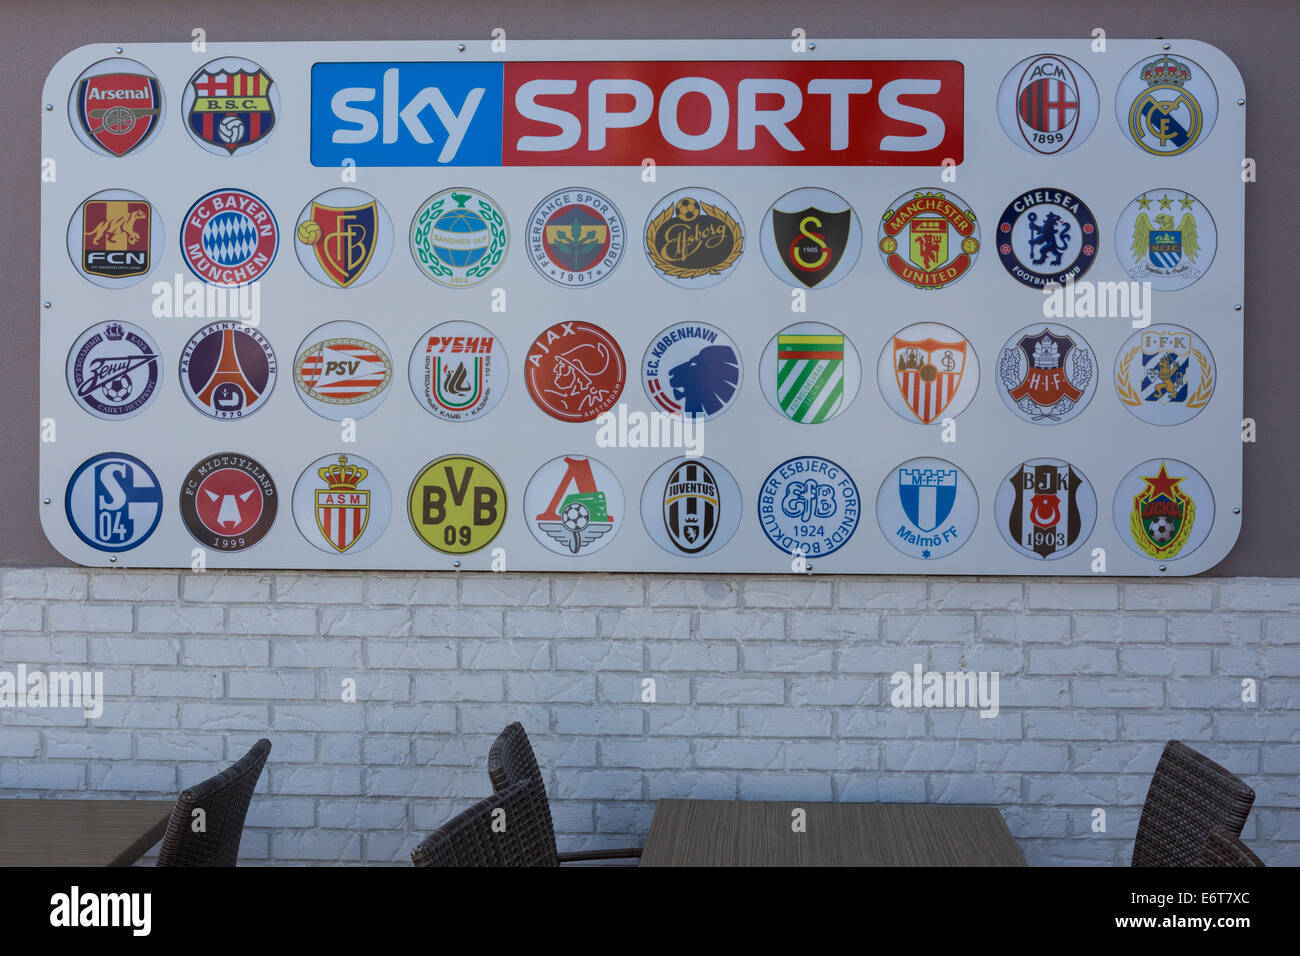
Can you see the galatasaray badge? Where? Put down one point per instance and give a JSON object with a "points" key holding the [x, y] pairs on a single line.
{"points": [[114, 369], [809, 507], [1048, 104], [342, 370], [1166, 237], [928, 238], [1164, 509], [1045, 508], [341, 504], [927, 508], [574, 505], [1166, 105], [457, 504], [458, 371], [230, 106], [344, 238], [576, 237], [692, 370], [1048, 374], [1047, 236], [694, 237], [810, 372], [114, 238], [811, 236], [691, 506], [116, 106], [459, 237], [928, 372], [1164, 374]]}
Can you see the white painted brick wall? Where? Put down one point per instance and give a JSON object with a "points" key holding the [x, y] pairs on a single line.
{"points": [[766, 688]]}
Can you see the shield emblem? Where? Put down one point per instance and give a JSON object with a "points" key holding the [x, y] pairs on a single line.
{"points": [[341, 516], [1176, 121], [1045, 382], [691, 505], [457, 384], [810, 376], [1162, 515], [811, 242], [1045, 515], [1165, 248], [928, 373], [118, 110], [232, 109], [1164, 368], [346, 240], [927, 495], [115, 237], [928, 245]]}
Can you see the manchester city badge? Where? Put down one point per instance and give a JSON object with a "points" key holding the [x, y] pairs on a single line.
{"points": [[344, 238], [1048, 374], [1048, 104], [928, 372], [812, 237], [113, 502], [576, 237], [341, 504], [692, 370], [574, 505], [928, 238], [810, 372], [1047, 235], [114, 238], [927, 508], [1045, 508], [694, 238], [343, 370], [691, 507], [116, 106], [809, 507], [1164, 374], [1165, 105], [1164, 509], [458, 371], [230, 106], [575, 371], [228, 370], [228, 502], [113, 370], [1166, 237], [229, 237], [459, 237]]}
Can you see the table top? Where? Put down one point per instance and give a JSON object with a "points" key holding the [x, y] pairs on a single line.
{"points": [[50, 832], [743, 833]]}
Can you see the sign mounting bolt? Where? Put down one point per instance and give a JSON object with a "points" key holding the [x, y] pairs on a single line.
{"points": [[1241, 101], [47, 303], [117, 49], [49, 106], [45, 501], [460, 47]]}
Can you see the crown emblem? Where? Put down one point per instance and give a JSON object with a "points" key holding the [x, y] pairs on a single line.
{"points": [[1046, 353], [114, 332], [1166, 69], [343, 477]]}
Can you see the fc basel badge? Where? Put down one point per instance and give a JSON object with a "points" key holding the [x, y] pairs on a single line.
{"points": [[694, 238], [228, 502], [809, 507], [928, 372], [113, 370], [341, 504], [927, 508], [229, 237], [810, 372], [457, 504], [1047, 236], [575, 371], [574, 505], [576, 237], [1045, 508], [1164, 509], [1166, 105], [811, 236], [1048, 374], [230, 106], [928, 238], [691, 506], [692, 370], [459, 237], [343, 370], [228, 370], [113, 502], [116, 106], [115, 238], [344, 238], [1048, 104], [1164, 374], [1166, 237], [458, 371]]}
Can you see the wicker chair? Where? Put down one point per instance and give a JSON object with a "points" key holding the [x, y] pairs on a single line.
{"points": [[510, 828], [1190, 794], [1224, 849], [224, 800]]}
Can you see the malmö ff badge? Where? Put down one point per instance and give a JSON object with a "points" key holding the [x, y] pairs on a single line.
{"points": [[1048, 374], [113, 502], [228, 370], [1166, 105], [928, 238], [811, 236], [341, 504], [116, 106], [694, 238], [576, 237], [459, 237], [343, 370], [457, 504], [927, 508], [229, 237], [692, 370], [113, 370], [458, 371], [1166, 237], [344, 238], [114, 238], [1164, 509], [230, 106], [691, 506], [1047, 235], [228, 502], [1045, 508], [574, 505], [928, 372], [1164, 374], [1048, 104], [809, 507], [810, 372]]}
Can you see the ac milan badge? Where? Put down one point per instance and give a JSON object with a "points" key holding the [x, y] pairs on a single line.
{"points": [[1166, 237], [692, 370], [811, 236], [1164, 509], [574, 505], [459, 237], [344, 238], [457, 504], [928, 238], [116, 106], [1047, 373], [114, 238], [1165, 374], [1048, 104], [1047, 236], [928, 372], [694, 237], [113, 370], [230, 106], [1166, 105], [229, 237], [458, 371], [228, 370], [228, 502], [927, 508], [810, 372], [342, 504], [691, 507], [575, 371], [113, 502], [809, 507], [576, 237], [1045, 508], [343, 370]]}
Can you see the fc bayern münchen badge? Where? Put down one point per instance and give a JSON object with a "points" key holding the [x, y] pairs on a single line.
{"points": [[342, 504], [575, 371], [228, 502], [694, 238], [810, 372], [811, 236], [459, 237], [576, 237], [574, 505], [928, 238], [458, 371], [928, 372], [927, 508], [229, 237], [230, 106], [1048, 104], [1047, 236], [1164, 374], [113, 370], [114, 238], [1048, 374], [344, 238], [1164, 509], [1166, 237], [228, 370], [343, 370], [809, 507], [1045, 508], [116, 106], [692, 370], [691, 506], [1165, 105], [113, 502]]}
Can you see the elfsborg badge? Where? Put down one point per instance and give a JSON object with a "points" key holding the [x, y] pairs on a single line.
{"points": [[694, 238]]}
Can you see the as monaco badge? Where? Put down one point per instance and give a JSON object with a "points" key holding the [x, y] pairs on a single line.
{"points": [[1166, 237], [1045, 509], [1047, 373], [115, 238], [116, 106], [230, 106], [1048, 104], [574, 505], [342, 504], [344, 238], [1164, 509]]}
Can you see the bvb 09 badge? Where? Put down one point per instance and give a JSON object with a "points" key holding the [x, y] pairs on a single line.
{"points": [[1047, 235], [228, 502], [574, 505], [113, 370], [1166, 105], [691, 506], [115, 106], [230, 106], [344, 238], [927, 508], [812, 236], [928, 239], [113, 502], [459, 237], [1166, 237], [1048, 374], [1164, 509], [1164, 374], [341, 504], [694, 237], [1045, 508], [809, 506], [457, 504], [576, 237], [114, 238]]}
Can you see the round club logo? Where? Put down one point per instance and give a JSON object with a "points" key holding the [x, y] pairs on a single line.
{"points": [[228, 502], [1166, 106], [1166, 237], [1048, 374], [114, 238], [1164, 374], [1048, 104], [691, 506], [228, 370], [811, 236], [1045, 508], [115, 106], [1164, 509], [229, 237], [927, 508], [810, 372], [343, 371], [809, 507], [341, 504], [457, 504], [113, 502], [928, 239], [230, 106], [459, 237], [575, 371], [694, 237], [692, 370], [458, 371], [1046, 235], [113, 370], [574, 505], [928, 372], [575, 237], [344, 238]]}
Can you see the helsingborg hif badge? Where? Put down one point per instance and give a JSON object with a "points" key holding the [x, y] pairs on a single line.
{"points": [[809, 506], [341, 504], [1045, 508], [810, 372], [114, 238], [1164, 509], [113, 502], [811, 236], [1166, 105], [576, 237], [575, 371], [229, 237], [113, 370], [1048, 373], [458, 371], [343, 370], [230, 106], [457, 504], [928, 372], [1164, 374], [927, 508], [574, 505], [228, 370], [692, 370], [116, 106], [344, 238], [228, 501], [1166, 237], [1048, 104], [1047, 235], [928, 238], [691, 507], [459, 237], [694, 238]]}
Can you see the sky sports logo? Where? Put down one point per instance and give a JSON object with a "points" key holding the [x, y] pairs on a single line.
{"points": [[736, 113]]}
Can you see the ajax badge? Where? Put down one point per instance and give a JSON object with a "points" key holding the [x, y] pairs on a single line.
{"points": [[342, 370], [344, 238], [113, 370], [1164, 374], [1166, 106], [809, 506], [228, 370], [1048, 374], [574, 505], [114, 238], [457, 504], [1164, 509], [928, 372], [1045, 508], [692, 370], [113, 502], [811, 236], [927, 508], [1048, 104], [115, 106], [1166, 237], [1045, 236], [928, 238], [459, 237], [691, 507], [694, 237], [810, 372], [230, 106], [575, 237], [575, 371], [458, 371], [229, 237], [341, 503], [228, 502]]}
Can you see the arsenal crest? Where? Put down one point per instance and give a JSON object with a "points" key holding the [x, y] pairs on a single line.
{"points": [[1048, 104], [1165, 374], [575, 371], [115, 238], [576, 237], [458, 371], [810, 372], [228, 502], [929, 238], [343, 370], [1047, 236], [1048, 374], [1166, 106], [1166, 237], [344, 238], [694, 237], [692, 370], [341, 504], [691, 507], [229, 237], [228, 370], [928, 372], [1045, 508], [811, 236], [459, 237], [115, 106], [574, 505], [927, 508], [1164, 509], [230, 105], [114, 369]]}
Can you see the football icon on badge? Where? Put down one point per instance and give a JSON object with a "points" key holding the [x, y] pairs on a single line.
{"points": [[927, 508], [114, 238], [1048, 104], [228, 502], [116, 106], [229, 237], [459, 237], [809, 507], [810, 372], [928, 238], [341, 504], [692, 370], [1164, 509], [1045, 508], [812, 237], [694, 238], [457, 504], [928, 372], [691, 506], [574, 505], [1047, 373], [1165, 105], [575, 371], [228, 370], [576, 237], [343, 370], [113, 502], [458, 371], [343, 238], [1047, 236], [230, 106], [113, 370], [1166, 237], [1165, 374]]}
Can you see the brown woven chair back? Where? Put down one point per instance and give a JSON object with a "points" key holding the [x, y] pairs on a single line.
{"points": [[510, 828], [1224, 849], [1190, 794], [511, 759], [224, 801]]}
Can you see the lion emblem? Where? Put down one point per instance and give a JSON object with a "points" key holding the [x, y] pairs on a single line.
{"points": [[706, 382]]}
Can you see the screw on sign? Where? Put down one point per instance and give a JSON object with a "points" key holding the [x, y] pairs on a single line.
{"points": [[457, 504]]}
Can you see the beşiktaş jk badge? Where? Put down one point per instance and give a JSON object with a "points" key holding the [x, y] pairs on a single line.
{"points": [[1047, 235], [1048, 104], [694, 238], [810, 372], [1164, 509], [1047, 373], [113, 370], [341, 504], [927, 508], [809, 507], [1166, 237], [228, 501], [116, 106], [691, 507], [811, 236], [928, 238], [576, 237], [928, 372], [344, 238], [114, 238], [230, 106], [1166, 105], [1165, 374], [458, 371], [228, 370], [1045, 508], [692, 370], [574, 505], [113, 502], [343, 370], [459, 237]]}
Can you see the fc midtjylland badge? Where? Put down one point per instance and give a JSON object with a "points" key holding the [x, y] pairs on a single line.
{"points": [[691, 506], [1166, 105], [1048, 374], [229, 237], [1164, 509], [574, 505], [230, 106], [344, 238], [113, 370], [810, 372], [809, 507], [341, 504], [576, 237], [228, 501], [1166, 237], [1048, 104], [1045, 508], [459, 237], [692, 370], [1164, 374], [343, 370], [928, 372], [927, 508], [115, 106], [458, 371], [694, 237], [228, 370], [575, 371], [113, 502], [811, 236], [928, 238], [1047, 235], [457, 504], [114, 238]]}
